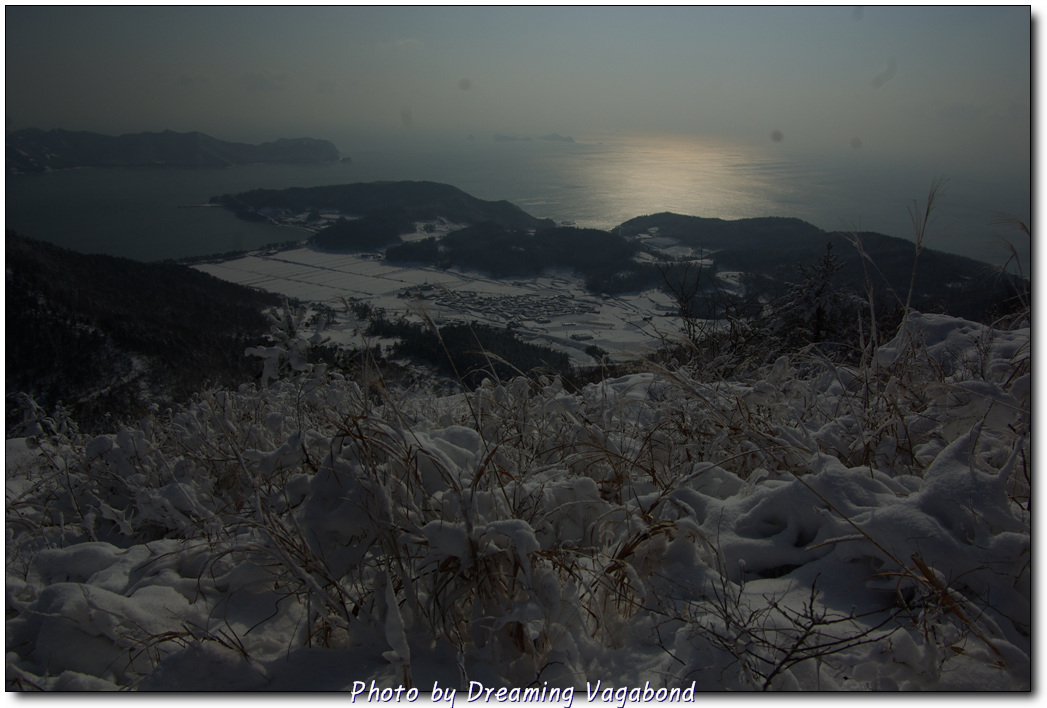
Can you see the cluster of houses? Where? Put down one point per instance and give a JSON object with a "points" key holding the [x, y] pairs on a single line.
{"points": [[511, 309]]}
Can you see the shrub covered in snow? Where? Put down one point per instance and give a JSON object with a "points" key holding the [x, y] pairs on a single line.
{"points": [[808, 526]]}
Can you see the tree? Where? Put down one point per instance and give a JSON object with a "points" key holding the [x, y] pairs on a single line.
{"points": [[288, 352], [814, 310], [683, 281]]}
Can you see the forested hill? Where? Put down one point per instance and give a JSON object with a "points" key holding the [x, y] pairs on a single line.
{"points": [[411, 201], [34, 150], [604, 260], [771, 250], [107, 335]]}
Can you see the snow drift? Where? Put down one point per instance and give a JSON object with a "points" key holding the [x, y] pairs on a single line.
{"points": [[812, 526]]}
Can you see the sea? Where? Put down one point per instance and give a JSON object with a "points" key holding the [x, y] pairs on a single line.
{"points": [[595, 181]]}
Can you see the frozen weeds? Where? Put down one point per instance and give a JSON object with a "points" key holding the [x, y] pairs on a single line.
{"points": [[811, 526]]}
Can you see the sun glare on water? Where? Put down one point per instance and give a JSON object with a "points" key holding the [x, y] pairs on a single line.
{"points": [[690, 175]]}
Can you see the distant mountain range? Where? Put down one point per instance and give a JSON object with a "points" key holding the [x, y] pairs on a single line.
{"points": [[34, 150], [553, 137]]}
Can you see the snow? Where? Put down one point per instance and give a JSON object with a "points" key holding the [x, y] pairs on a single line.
{"points": [[806, 527], [551, 309]]}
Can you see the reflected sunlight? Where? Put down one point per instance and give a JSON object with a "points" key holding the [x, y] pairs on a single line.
{"points": [[692, 175]]}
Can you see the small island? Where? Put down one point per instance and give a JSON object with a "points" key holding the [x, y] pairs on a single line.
{"points": [[32, 150]]}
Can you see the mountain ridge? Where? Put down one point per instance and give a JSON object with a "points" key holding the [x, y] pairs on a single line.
{"points": [[418, 200], [104, 335], [66, 311], [776, 246], [503, 240], [33, 150]]}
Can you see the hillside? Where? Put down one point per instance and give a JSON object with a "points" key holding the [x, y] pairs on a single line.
{"points": [[494, 249], [99, 344], [412, 201], [34, 150], [735, 512], [771, 250], [107, 336], [501, 240], [807, 526]]}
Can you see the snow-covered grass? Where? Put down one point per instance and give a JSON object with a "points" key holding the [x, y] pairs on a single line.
{"points": [[806, 526]]}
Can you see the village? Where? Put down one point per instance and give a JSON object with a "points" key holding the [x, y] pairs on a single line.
{"points": [[553, 309], [514, 310]]}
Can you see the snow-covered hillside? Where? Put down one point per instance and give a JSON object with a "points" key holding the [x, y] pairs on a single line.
{"points": [[811, 526]]}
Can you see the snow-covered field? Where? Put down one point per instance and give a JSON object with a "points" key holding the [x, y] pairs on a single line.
{"points": [[810, 526], [554, 310]]}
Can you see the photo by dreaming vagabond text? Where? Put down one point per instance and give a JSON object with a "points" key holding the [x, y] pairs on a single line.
{"points": [[478, 693]]}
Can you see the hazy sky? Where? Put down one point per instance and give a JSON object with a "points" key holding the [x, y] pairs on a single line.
{"points": [[896, 82]]}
